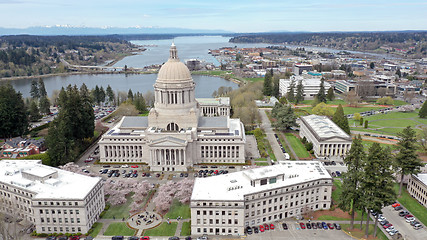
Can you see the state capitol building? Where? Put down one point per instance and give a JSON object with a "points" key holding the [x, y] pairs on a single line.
{"points": [[179, 131]]}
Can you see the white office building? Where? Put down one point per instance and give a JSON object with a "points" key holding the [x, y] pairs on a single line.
{"points": [[54, 200], [329, 140], [417, 187], [310, 85], [227, 204]]}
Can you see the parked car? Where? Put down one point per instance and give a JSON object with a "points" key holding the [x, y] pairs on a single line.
{"points": [[393, 232], [285, 226], [271, 226], [398, 208], [330, 226], [248, 230], [319, 225], [261, 228], [145, 238], [117, 238], [337, 226], [133, 238], [302, 225], [255, 229], [391, 228], [324, 225], [395, 204], [134, 166], [174, 238], [75, 238], [403, 213], [314, 225], [308, 225], [266, 227], [387, 225]]}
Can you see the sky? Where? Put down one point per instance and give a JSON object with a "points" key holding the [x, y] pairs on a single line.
{"points": [[230, 15]]}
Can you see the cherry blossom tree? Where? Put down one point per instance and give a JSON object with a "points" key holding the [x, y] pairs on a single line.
{"points": [[169, 191], [141, 190]]}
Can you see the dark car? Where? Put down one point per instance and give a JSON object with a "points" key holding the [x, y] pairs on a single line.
{"points": [[255, 229], [398, 208], [248, 230], [231, 167], [188, 238], [51, 238], [117, 238], [403, 213], [181, 175], [308, 226], [133, 238], [384, 222], [324, 225], [174, 238], [319, 225], [106, 166], [63, 238], [314, 225], [337, 226], [285, 226]]}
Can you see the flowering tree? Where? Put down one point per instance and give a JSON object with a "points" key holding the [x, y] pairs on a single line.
{"points": [[181, 190], [118, 189], [141, 190]]}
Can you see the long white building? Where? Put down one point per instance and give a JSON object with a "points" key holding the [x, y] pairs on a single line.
{"points": [[417, 187], [310, 85], [226, 204], [179, 131], [54, 200], [328, 139]]}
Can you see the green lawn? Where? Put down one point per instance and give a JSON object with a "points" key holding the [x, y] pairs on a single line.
{"points": [[337, 192], [285, 146], [361, 234], [419, 211], [335, 102], [297, 146], [393, 123], [163, 230], [186, 229], [178, 209], [368, 144], [254, 79], [119, 211], [261, 163], [96, 228], [269, 150], [261, 160], [120, 229]]}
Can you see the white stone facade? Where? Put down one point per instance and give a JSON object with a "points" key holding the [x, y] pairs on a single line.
{"points": [[226, 204], [310, 85], [329, 140], [54, 200], [179, 131], [417, 187]]}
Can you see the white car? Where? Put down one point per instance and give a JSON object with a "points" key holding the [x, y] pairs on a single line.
{"points": [[408, 220], [393, 232], [125, 166], [389, 229]]}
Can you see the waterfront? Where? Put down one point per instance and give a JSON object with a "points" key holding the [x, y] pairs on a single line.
{"points": [[205, 85]]}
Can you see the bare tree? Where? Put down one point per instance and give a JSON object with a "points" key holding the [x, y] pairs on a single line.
{"points": [[408, 95], [352, 99], [365, 89]]}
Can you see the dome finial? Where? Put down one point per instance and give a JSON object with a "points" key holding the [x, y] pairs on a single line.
{"points": [[173, 51]]}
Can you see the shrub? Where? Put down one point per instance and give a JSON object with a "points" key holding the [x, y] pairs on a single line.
{"points": [[366, 123], [304, 140], [361, 121], [357, 116]]}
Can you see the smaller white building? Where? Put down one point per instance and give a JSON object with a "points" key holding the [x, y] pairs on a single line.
{"points": [[54, 200], [214, 107], [328, 139], [417, 187], [310, 85]]}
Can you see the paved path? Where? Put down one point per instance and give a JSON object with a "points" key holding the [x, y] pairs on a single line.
{"points": [[290, 147], [266, 126]]}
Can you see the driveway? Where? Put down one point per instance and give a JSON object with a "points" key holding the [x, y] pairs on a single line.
{"points": [[266, 126]]}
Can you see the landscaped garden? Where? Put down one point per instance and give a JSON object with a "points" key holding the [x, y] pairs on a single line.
{"points": [[186, 229], [96, 228], [119, 211], [359, 234], [178, 209], [164, 229], [297, 146]]}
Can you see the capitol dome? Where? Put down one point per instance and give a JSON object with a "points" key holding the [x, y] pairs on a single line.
{"points": [[174, 70]]}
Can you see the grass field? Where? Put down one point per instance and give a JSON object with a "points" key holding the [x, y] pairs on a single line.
{"points": [[261, 160], [368, 144], [163, 230], [261, 163], [186, 229], [254, 79], [96, 228], [119, 228], [269, 150], [337, 192], [285, 146], [419, 211], [360, 234], [119, 211], [297, 146], [178, 209]]}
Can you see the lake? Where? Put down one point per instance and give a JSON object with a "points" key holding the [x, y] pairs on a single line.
{"points": [[205, 85]]}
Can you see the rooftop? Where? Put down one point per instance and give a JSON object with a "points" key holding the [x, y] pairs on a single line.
{"points": [[215, 122], [323, 128], [422, 177], [134, 122], [214, 101], [234, 186], [67, 185]]}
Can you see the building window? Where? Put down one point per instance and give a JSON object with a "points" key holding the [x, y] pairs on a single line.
{"points": [[263, 182], [272, 180]]}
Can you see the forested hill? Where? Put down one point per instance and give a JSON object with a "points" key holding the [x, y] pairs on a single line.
{"points": [[411, 43]]}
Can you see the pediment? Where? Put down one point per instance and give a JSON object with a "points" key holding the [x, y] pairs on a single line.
{"points": [[168, 142]]}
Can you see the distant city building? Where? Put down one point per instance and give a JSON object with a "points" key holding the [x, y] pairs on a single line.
{"points": [[179, 131], [194, 64], [300, 67], [390, 67], [54, 200], [329, 140], [311, 86], [417, 188], [366, 88], [21, 147], [226, 204], [385, 78]]}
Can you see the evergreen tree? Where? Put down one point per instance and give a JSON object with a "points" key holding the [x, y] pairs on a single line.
{"points": [[34, 113], [34, 92], [300, 93], [110, 95], [291, 92], [341, 120], [42, 89], [407, 160], [285, 118], [378, 181], [44, 105], [330, 96], [87, 115], [101, 95], [139, 102], [321, 96], [267, 90], [423, 110], [130, 95], [351, 198], [276, 89], [60, 147], [96, 95], [13, 114]]}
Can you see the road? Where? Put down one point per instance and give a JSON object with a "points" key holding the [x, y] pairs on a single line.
{"points": [[402, 226], [266, 126]]}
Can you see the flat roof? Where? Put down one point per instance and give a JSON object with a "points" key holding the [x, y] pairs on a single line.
{"points": [[214, 101], [234, 186], [67, 185], [422, 177], [215, 122], [134, 122], [323, 128]]}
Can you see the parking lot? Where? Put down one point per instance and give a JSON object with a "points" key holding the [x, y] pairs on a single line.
{"points": [[399, 223], [295, 232]]}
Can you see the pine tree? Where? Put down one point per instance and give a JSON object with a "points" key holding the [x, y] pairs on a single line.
{"points": [[300, 93], [276, 89], [110, 95], [291, 92], [130, 95], [101, 94], [330, 96], [42, 88], [423, 110], [407, 160], [321, 94], [44, 105], [285, 118], [96, 95], [34, 113], [267, 90], [13, 114], [34, 92], [340, 120], [378, 181], [87, 115], [351, 198]]}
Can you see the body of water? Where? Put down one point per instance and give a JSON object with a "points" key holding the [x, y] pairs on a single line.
{"points": [[205, 85]]}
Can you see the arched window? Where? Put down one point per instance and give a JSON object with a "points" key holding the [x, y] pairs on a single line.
{"points": [[172, 127]]}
